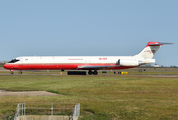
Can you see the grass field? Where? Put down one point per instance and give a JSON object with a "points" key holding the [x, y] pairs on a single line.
{"points": [[101, 97]]}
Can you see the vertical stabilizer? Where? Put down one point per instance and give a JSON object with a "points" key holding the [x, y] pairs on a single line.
{"points": [[150, 50]]}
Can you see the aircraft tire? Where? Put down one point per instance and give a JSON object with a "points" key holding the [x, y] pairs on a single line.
{"points": [[90, 72], [95, 72], [20, 72]]}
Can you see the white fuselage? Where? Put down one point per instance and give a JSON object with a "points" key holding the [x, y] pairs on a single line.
{"points": [[85, 62]]}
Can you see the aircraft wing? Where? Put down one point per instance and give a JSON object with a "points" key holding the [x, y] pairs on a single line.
{"points": [[97, 67]]}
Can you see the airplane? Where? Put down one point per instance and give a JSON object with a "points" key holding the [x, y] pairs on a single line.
{"points": [[90, 63]]}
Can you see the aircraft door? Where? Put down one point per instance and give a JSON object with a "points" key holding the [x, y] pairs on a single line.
{"points": [[21, 62]]}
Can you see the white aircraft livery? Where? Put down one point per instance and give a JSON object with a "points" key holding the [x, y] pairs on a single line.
{"points": [[90, 63]]}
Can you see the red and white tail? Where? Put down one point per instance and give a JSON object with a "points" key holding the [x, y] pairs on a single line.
{"points": [[150, 50]]}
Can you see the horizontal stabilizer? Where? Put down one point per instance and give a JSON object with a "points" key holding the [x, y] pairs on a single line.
{"points": [[159, 44]]}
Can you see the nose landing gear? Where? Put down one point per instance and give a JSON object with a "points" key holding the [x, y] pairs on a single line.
{"points": [[12, 72]]}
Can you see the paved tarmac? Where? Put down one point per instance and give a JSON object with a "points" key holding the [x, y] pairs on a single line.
{"points": [[161, 75], [26, 93]]}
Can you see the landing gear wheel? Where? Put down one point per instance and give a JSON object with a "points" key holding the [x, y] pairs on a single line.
{"points": [[20, 72], [95, 72], [90, 72], [12, 72]]}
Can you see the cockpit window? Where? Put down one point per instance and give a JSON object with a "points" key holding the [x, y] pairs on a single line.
{"points": [[13, 61]]}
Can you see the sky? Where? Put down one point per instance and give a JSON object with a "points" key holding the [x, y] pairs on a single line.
{"points": [[88, 28]]}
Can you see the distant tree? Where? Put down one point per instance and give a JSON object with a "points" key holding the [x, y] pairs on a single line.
{"points": [[173, 66]]}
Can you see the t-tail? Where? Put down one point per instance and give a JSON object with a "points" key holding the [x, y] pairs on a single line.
{"points": [[150, 50]]}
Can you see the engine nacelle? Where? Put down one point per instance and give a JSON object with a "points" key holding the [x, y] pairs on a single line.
{"points": [[125, 62]]}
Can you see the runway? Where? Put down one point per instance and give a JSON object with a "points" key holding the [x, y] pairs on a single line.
{"points": [[161, 75]]}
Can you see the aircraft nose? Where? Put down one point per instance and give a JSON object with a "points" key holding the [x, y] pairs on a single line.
{"points": [[6, 66]]}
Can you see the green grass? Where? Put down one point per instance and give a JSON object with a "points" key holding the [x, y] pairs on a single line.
{"points": [[101, 97]]}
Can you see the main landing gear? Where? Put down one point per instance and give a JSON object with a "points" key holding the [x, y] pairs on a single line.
{"points": [[94, 73]]}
